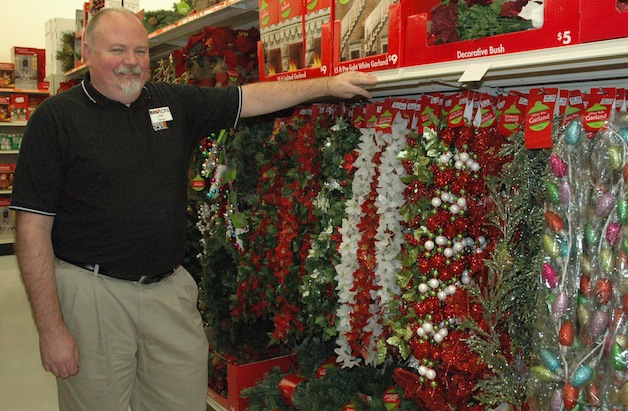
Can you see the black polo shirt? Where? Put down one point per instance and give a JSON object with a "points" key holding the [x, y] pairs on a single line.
{"points": [[115, 176]]}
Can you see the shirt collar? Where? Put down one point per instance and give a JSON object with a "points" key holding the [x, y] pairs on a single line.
{"points": [[97, 98]]}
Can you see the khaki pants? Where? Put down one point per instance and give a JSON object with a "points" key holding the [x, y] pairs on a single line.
{"points": [[142, 345]]}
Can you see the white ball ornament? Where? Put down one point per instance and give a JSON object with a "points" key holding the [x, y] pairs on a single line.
{"points": [[430, 374], [434, 283], [445, 197], [441, 240], [475, 167], [441, 295], [458, 165], [429, 245], [450, 289], [423, 288], [443, 332], [436, 202], [444, 158], [420, 332], [423, 370], [448, 252], [438, 338], [464, 157], [427, 327], [454, 209], [462, 202], [458, 246]]}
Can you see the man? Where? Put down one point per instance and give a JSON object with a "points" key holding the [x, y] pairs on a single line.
{"points": [[100, 198]]}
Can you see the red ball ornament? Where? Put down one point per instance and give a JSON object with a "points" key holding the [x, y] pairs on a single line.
{"points": [[585, 285]]}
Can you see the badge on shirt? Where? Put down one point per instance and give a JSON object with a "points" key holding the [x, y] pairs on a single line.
{"points": [[159, 117]]}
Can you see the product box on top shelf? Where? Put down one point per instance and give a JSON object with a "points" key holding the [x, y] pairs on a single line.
{"points": [[369, 34], [241, 376], [603, 20], [295, 39], [555, 23], [7, 75]]}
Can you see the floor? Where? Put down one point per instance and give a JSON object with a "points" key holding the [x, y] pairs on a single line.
{"points": [[24, 385]]}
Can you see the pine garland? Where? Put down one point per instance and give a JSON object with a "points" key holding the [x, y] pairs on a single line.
{"points": [[510, 303]]}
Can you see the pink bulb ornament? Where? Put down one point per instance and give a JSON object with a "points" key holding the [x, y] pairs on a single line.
{"points": [[612, 233], [558, 165], [605, 204], [550, 278]]}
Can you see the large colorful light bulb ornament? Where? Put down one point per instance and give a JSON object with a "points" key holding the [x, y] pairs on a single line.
{"points": [[583, 331], [446, 241]]}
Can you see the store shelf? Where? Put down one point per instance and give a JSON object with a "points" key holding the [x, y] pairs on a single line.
{"points": [[575, 65], [7, 237], [22, 91], [13, 124], [162, 42], [232, 13]]}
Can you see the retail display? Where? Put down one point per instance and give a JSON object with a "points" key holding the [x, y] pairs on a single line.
{"points": [[453, 249]]}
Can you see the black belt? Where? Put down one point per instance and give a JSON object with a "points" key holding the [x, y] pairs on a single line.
{"points": [[145, 279]]}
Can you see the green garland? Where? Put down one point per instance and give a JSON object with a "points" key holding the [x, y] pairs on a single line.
{"points": [[518, 199]]}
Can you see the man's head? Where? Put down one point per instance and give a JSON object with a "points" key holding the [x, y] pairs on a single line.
{"points": [[116, 52]]}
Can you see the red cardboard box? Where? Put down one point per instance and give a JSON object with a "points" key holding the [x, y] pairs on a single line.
{"points": [[322, 70], [5, 111], [19, 108], [7, 75], [317, 14], [560, 28], [244, 376], [602, 20], [381, 52], [6, 176]]}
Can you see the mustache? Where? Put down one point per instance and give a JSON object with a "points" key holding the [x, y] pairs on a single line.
{"points": [[128, 70]]}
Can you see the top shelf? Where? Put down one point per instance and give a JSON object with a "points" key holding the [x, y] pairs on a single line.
{"points": [[22, 91], [579, 65], [572, 66], [162, 42]]}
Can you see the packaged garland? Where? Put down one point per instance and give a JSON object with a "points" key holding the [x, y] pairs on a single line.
{"points": [[583, 333]]}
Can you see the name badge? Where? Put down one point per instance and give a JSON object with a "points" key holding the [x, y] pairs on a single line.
{"points": [[159, 115]]}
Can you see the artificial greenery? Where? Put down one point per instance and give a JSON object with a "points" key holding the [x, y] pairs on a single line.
{"points": [[156, 19], [509, 304], [478, 21], [66, 54]]}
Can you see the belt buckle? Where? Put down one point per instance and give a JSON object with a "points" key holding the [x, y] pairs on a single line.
{"points": [[151, 279]]}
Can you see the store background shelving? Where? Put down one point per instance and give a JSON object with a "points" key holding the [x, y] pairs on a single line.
{"points": [[576, 66]]}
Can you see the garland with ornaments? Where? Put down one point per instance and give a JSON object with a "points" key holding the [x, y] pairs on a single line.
{"points": [[581, 355]]}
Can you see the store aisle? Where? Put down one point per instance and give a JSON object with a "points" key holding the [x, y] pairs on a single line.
{"points": [[24, 385]]}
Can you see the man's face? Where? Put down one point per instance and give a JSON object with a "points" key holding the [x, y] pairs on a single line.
{"points": [[118, 59]]}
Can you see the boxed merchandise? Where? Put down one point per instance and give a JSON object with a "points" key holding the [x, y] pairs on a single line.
{"points": [[26, 69], [7, 75], [369, 34], [558, 26], [613, 14], [19, 108], [6, 176], [5, 108], [317, 15], [241, 376], [295, 39], [268, 19], [34, 100]]}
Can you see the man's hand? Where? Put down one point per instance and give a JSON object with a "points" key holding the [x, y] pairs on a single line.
{"points": [[59, 353], [350, 84]]}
